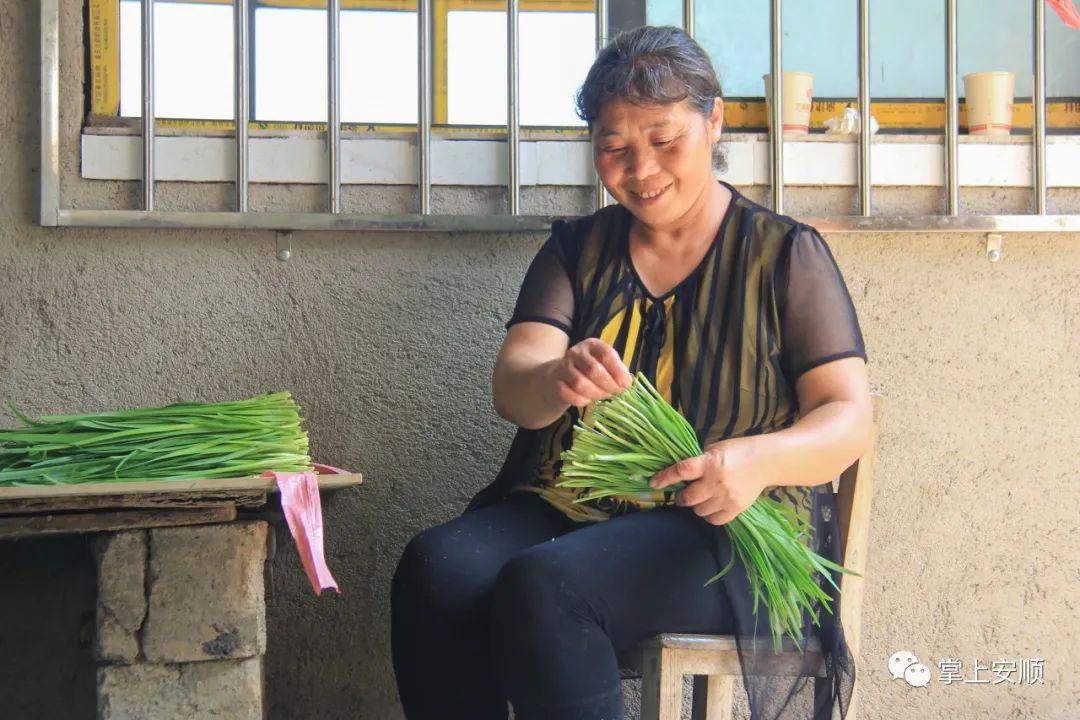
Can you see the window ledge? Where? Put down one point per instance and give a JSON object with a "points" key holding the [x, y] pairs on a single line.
{"points": [[560, 158]]}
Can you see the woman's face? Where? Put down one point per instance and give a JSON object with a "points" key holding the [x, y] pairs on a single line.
{"points": [[640, 150]]}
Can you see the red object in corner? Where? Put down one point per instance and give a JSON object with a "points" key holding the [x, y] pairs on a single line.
{"points": [[1067, 11]]}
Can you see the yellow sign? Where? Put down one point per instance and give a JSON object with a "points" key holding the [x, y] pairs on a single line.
{"points": [[105, 57], [750, 114]]}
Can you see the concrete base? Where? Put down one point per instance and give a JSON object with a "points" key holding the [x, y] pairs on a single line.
{"points": [[181, 622]]}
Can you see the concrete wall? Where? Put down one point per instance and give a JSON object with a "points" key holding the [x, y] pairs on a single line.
{"points": [[387, 341]]}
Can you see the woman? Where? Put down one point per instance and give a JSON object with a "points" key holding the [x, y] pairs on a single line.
{"points": [[741, 318]]}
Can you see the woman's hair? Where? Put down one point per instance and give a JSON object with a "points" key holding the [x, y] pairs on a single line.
{"points": [[652, 66]]}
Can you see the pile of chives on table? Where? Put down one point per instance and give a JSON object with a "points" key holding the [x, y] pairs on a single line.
{"points": [[183, 441], [628, 438]]}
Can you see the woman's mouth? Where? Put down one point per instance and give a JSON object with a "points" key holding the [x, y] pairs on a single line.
{"points": [[650, 196]]}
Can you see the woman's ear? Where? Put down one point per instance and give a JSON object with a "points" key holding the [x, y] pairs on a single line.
{"points": [[716, 120]]}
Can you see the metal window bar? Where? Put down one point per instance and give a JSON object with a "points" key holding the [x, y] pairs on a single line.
{"points": [[776, 136], [52, 213], [513, 128], [252, 42], [865, 187], [423, 107], [1038, 137], [601, 41], [148, 103], [952, 114], [688, 17], [242, 31], [49, 197], [333, 110]]}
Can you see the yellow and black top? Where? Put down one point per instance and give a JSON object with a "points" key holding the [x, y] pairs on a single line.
{"points": [[725, 346]]}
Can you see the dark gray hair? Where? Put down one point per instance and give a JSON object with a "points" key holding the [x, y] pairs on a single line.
{"points": [[652, 65]]}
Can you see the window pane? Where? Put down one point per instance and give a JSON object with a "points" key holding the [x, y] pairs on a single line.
{"points": [[907, 44], [556, 52], [378, 66], [190, 80]]}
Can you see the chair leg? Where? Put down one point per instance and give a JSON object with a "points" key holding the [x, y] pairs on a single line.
{"points": [[661, 687], [821, 690], [821, 687], [713, 697]]}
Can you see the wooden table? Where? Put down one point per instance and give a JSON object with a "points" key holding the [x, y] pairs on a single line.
{"points": [[176, 635], [99, 507]]}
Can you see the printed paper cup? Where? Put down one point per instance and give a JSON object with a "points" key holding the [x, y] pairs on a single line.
{"points": [[798, 96], [989, 100]]}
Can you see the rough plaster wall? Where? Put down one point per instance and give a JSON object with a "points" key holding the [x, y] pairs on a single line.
{"points": [[388, 340]]}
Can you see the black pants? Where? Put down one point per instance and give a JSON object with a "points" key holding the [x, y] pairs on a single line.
{"points": [[516, 602]]}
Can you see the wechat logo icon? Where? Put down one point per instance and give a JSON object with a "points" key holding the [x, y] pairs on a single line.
{"points": [[904, 664]]}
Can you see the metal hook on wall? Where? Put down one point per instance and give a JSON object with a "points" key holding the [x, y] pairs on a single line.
{"points": [[995, 243], [283, 244]]}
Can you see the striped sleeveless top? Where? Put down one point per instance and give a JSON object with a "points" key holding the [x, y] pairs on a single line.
{"points": [[724, 346]]}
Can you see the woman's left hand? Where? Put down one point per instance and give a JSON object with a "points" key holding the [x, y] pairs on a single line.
{"points": [[721, 482]]}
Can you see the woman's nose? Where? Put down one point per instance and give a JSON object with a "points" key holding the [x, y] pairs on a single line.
{"points": [[641, 164]]}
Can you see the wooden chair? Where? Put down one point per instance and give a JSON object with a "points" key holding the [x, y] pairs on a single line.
{"points": [[662, 661]]}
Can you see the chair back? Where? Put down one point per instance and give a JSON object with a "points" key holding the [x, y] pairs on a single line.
{"points": [[854, 493]]}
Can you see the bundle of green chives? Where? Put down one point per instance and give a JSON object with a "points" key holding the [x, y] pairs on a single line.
{"points": [[183, 441], [630, 437]]}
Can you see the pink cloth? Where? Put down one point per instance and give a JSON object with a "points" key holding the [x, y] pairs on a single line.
{"points": [[1068, 12], [303, 512]]}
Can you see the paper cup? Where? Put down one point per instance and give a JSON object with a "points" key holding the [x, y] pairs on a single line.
{"points": [[989, 100], [798, 96]]}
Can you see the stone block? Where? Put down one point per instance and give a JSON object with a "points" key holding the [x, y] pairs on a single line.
{"points": [[121, 602], [189, 691], [206, 593]]}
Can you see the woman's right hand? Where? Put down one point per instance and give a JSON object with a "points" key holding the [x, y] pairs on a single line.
{"points": [[589, 371]]}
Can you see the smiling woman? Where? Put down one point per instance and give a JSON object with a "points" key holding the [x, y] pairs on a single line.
{"points": [[655, 160], [741, 320]]}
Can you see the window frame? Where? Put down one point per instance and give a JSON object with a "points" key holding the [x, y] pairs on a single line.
{"points": [[52, 214], [741, 114], [104, 32]]}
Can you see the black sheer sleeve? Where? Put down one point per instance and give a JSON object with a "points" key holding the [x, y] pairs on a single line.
{"points": [[818, 322], [547, 293]]}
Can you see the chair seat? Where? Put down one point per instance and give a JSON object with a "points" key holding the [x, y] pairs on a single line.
{"points": [[719, 655]]}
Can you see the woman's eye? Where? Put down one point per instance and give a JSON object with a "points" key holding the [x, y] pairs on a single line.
{"points": [[664, 142], [612, 149]]}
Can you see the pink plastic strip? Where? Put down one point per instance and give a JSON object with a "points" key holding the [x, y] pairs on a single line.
{"points": [[303, 512]]}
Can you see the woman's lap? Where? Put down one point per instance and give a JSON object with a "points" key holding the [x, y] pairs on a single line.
{"points": [[516, 590], [644, 570], [466, 553], [641, 573]]}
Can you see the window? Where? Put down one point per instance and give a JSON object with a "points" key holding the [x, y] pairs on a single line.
{"points": [[378, 145], [907, 50], [378, 64], [556, 52]]}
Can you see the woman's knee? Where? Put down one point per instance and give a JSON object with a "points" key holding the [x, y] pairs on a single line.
{"points": [[535, 594], [441, 573], [420, 571]]}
